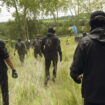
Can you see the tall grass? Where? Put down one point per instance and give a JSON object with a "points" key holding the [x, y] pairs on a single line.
{"points": [[29, 88]]}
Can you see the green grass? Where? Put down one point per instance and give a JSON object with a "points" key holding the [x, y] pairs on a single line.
{"points": [[29, 88]]}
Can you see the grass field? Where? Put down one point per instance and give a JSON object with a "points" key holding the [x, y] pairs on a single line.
{"points": [[29, 88]]}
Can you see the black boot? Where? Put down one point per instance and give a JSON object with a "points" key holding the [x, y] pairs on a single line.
{"points": [[46, 81], [53, 79]]}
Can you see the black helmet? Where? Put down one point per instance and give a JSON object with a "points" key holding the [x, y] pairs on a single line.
{"points": [[19, 39], [97, 19], [51, 30]]}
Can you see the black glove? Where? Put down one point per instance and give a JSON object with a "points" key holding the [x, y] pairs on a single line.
{"points": [[14, 74], [79, 78]]}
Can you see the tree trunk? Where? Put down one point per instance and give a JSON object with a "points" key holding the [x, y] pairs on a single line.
{"points": [[25, 24], [36, 24], [19, 20]]}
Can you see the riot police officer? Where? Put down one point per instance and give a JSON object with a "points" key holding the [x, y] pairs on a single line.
{"points": [[50, 47], [4, 57], [21, 49], [37, 47], [88, 62]]}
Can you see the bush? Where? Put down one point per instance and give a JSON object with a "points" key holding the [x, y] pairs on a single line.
{"points": [[43, 30], [64, 31]]}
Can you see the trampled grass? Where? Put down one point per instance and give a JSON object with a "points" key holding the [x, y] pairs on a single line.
{"points": [[29, 88]]}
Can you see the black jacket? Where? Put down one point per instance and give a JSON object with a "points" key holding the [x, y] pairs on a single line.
{"points": [[89, 60], [55, 47], [21, 47], [3, 55], [37, 45]]}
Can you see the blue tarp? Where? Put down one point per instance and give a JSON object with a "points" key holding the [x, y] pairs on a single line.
{"points": [[74, 28]]}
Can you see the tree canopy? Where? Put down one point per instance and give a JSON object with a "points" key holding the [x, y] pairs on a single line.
{"points": [[28, 14]]}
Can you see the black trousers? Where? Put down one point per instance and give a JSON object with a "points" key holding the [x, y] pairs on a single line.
{"points": [[48, 60], [4, 88], [89, 103], [21, 57], [37, 53]]}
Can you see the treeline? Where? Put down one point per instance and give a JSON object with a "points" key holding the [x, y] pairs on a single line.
{"points": [[12, 30], [27, 15]]}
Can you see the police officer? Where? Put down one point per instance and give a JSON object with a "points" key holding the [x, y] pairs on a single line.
{"points": [[4, 57], [51, 47], [89, 61], [37, 46], [21, 49], [27, 43]]}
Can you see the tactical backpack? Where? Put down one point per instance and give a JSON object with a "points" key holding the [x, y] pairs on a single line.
{"points": [[49, 43], [21, 47]]}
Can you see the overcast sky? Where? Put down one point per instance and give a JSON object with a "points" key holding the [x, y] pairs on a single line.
{"points": [[5, 15]]}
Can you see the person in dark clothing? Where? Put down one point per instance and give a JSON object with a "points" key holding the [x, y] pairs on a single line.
{"points": [[50, 47], [21, 49], [4, 57], [27, 43], [37, 47], [88, 62]]}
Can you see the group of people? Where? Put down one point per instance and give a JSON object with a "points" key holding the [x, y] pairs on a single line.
{"points": [[22, 48], [49, 46], [88, 64]]}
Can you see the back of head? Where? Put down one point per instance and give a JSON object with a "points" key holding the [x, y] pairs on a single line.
{"points": [[37, 36], [51, 30], [97, 20], [19, 39]]}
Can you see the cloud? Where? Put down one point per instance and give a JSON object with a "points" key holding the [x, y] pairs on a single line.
{"points": [[5, 15]]}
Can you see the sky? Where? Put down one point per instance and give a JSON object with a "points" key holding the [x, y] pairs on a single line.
{"points": [[6, 15]]}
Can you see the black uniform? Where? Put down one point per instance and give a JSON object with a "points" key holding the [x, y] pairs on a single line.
{"points": [[3, 73], [37, 47], [50, 48], [89, 60], [27, 43], [21, 48]]}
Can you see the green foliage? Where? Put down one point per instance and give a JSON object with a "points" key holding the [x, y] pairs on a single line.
{"points": [[64, 31], [13, 30], [3, 29], [3, 37], [28, 12], [43, 29]]}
